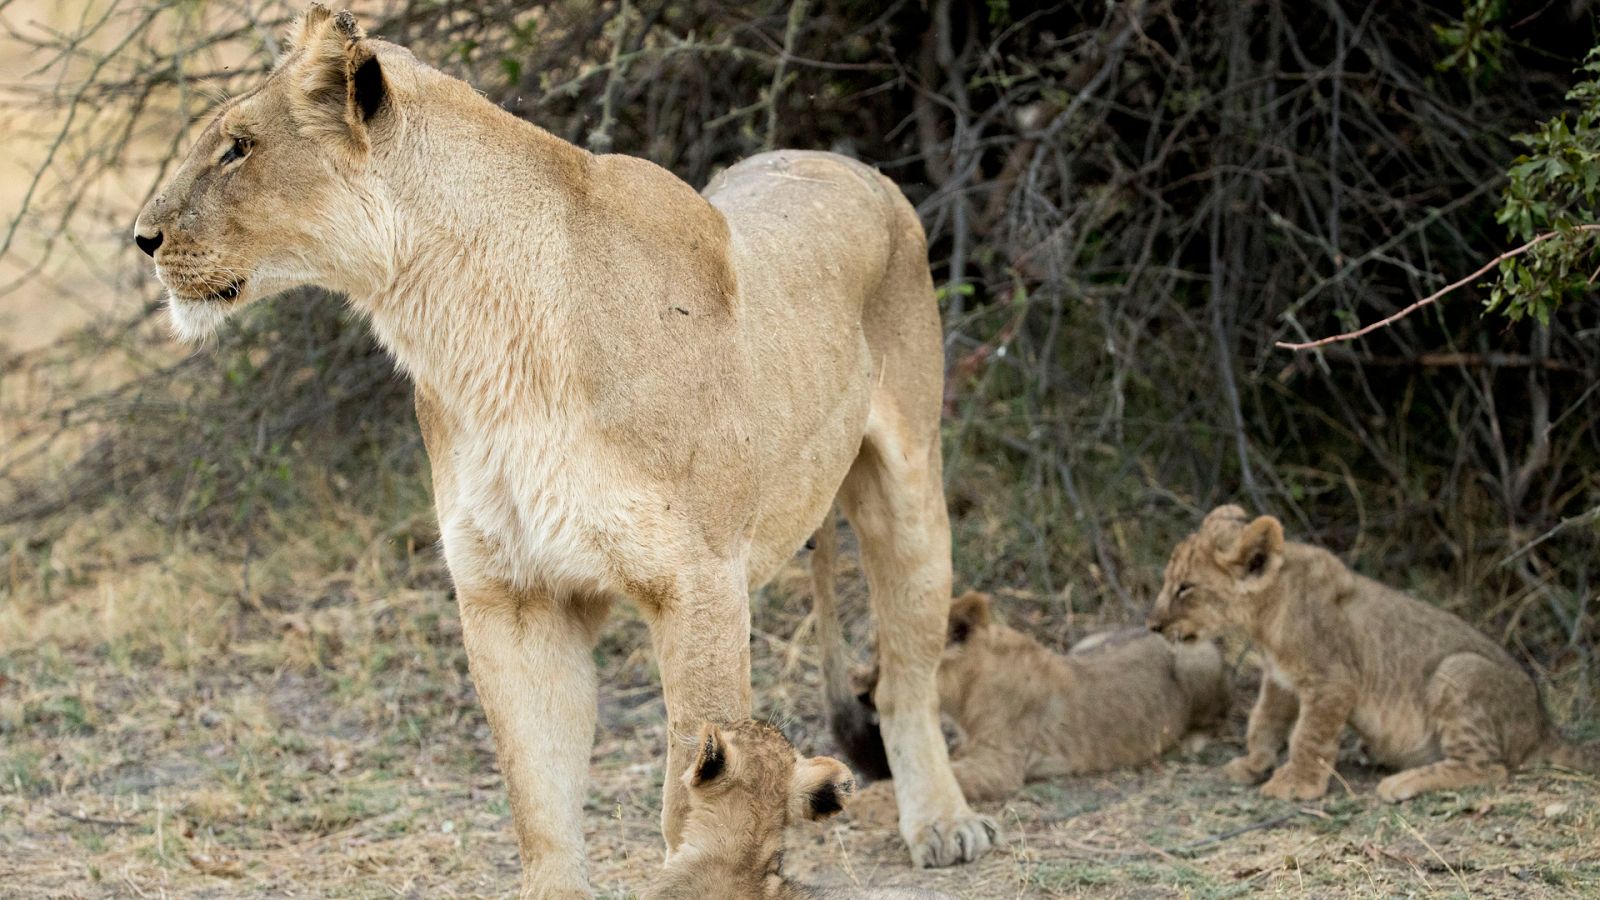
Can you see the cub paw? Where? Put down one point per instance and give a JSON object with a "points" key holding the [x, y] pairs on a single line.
{"points": [[957, 839], [1288, 785], [1243, 770], [1396, 789]]}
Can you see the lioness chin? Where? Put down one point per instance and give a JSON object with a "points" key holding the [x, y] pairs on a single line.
{"points": [[1427, 693], [627, 389]]}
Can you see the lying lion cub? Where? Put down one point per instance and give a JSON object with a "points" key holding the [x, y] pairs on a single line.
{"points": [[1427, 693], [746, 784], [1118, 699]]}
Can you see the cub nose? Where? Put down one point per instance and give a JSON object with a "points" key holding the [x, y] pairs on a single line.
{"points": [[148, 244]]}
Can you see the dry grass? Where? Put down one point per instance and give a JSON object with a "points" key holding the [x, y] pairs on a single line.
{"points": [[174, 722]]}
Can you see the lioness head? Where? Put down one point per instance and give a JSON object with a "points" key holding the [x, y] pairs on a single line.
{"points": [[749, 780], [1216, 575], [277, 191]]}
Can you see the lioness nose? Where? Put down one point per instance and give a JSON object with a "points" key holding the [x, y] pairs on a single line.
{"points": [[148, 244]]}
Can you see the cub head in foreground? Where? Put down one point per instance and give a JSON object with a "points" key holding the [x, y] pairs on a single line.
{"points": [[1427, 693], [747, 785]]}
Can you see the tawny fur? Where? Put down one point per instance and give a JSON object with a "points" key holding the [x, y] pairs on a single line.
{"points": [[627, 389], [746, 786], [1427, 693], [1119, 699]]}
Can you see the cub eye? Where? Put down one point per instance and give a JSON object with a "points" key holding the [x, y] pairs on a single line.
{"points": [[239, 149], [1185, 588]]}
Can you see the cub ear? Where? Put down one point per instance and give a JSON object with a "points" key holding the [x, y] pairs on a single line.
{"points": [[968, 612], [1223, 520], [711, 757], [1258, 550], [340, 81], [819, 788]]}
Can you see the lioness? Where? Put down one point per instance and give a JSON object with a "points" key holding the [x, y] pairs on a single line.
{"points": [[1118, 699], [626, 389], [1425, 691], [746, 785]]}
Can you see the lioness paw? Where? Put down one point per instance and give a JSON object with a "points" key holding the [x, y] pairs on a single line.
{"points": [[959, 839], [1286, 785], [1244, 770]]}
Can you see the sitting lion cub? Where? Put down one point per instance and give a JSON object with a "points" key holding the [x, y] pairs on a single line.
{"points": [[1118, 699], [746, 785], [1427, 693]]}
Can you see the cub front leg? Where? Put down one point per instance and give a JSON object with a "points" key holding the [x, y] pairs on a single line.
{"points": [[1314, 744], [531, 660], [1270, 720], [701, 631]]}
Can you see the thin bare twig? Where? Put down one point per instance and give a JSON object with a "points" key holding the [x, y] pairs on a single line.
{"points": [[1435, 296]]}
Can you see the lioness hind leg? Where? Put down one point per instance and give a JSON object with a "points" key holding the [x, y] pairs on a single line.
{"points": [[894, 500], [1463, 700]]}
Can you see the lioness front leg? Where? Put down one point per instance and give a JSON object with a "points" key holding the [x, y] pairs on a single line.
{"points": [[1270, 721], [531, 661], [1314, 745], [701, 634]]}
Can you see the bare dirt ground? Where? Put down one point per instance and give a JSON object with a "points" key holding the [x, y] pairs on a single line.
{"points": [[323, 740]]}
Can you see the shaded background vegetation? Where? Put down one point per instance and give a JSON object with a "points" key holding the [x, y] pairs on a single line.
{"points": [[1127, 205]]}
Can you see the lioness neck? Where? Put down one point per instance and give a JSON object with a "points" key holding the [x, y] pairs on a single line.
{"points": [[480, 207]]}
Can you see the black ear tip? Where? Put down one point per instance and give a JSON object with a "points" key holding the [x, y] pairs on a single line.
{"points": [[369, 89], [826, 800], [712, 760]]}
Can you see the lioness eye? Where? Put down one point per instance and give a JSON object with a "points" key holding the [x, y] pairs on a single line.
{"points": [[235, 152], [1184, 588]]}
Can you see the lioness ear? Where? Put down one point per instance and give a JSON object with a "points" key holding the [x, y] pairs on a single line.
{"points": [[819, 788], [968, 612], [1258, 549], [340, 81], [711, 757]]}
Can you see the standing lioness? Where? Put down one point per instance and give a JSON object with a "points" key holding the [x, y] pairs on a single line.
{"points": [[625, 388], [1425, 691]]}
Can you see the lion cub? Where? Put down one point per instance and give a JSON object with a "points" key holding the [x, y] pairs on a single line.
{"points": [[746, 785], [1118, 699], [1426, 692]]}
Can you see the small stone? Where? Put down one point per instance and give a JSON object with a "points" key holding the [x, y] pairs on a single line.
{"points": [[1553, 810]]}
